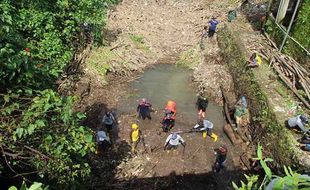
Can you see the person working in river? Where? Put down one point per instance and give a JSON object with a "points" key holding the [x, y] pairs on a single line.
{"points": [[298, 122], [144, 109], [202, 104], [212, 26], [206, 127], [255, 60], [173, 140], [135, 137], [108, 121], [221, 155], [168, 122], [169, 118], [103, 140], [171, 108]]}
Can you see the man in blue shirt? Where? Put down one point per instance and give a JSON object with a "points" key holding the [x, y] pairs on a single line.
{"points": [[212, 26]]}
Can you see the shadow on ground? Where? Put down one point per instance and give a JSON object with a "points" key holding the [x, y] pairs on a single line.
{"points": [[187, 181]]}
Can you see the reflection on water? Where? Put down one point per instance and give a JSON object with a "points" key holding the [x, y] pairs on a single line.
{"points": [[168, 82]]}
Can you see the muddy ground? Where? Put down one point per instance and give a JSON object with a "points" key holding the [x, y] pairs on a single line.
{"points": [[168, 29]]}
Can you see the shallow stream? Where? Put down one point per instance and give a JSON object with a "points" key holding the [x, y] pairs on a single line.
{"points": [[168, 82]]}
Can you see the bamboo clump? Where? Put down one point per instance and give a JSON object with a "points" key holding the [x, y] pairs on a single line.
{"points": [[295, 76]]}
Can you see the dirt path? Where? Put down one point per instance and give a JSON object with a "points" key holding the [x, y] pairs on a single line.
{"points": [[146, 32]]}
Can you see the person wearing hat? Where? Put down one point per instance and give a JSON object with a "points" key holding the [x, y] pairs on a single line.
{"points": [[298, 122], [173, 140], [135, 137], [206, 128], [103, 140], [144, 109], [221, 154], [212, 26]]}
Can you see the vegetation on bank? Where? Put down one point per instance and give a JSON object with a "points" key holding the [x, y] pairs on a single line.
{"points": [[282, 149], [40, 135], [299, 31], [290, 180]]}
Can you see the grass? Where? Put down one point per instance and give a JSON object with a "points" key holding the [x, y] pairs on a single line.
{"points": [[282, 91], [138, 41], [189, 58], [98, 62]]}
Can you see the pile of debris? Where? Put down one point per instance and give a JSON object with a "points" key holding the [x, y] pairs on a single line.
{"points": [[290, 71], [211, 74]]}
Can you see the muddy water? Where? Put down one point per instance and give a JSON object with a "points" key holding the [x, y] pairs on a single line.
{"points": [[168, 82], [160, 84]]}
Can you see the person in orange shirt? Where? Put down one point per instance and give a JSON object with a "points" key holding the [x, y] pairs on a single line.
{"points": [[171, 108], [169, 118]]}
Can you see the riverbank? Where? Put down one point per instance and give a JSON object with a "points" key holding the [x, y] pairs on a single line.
{"points": [[269, 103], [148, 41]]}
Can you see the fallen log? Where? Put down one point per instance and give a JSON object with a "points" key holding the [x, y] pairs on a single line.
{"points": [[230, 133], [226, 109]]}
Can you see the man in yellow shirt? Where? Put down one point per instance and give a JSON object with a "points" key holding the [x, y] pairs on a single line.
{"points": [[135, 137]]}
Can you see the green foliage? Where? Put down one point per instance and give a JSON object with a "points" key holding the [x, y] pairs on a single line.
{"points": [[138, 41], [48, 132], [299, 31], [302, 27], [282, 91], [246, 84], [98, 61], [47, 31], [291, 180], [263, 161], [250, 184], [34, 186], [39, 131]]}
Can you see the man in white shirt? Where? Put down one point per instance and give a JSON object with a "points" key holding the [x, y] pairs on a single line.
{"points": [[173, 140]]}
